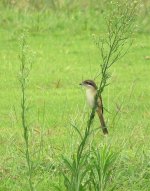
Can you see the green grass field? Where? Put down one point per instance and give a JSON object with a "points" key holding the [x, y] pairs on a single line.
{"points": [[65, 54]]}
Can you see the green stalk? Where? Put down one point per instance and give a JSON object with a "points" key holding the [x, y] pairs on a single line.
{"points": [[23, 81]]}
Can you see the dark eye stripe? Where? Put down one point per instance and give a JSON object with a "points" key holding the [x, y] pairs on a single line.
{"points": [[90, 83]]}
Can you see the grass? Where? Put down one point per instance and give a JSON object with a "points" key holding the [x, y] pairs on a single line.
{"points": [[66, 54]]}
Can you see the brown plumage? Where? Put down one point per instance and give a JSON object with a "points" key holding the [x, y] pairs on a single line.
{"points": [[101, 117]]}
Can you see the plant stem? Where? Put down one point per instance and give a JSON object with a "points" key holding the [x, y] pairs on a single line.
{"points": [[23, 81]]}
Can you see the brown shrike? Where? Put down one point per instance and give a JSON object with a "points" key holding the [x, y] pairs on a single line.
{"points": [[91, 92]]}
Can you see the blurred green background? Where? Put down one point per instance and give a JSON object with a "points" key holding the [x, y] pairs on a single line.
{"points": [[60, 37]]}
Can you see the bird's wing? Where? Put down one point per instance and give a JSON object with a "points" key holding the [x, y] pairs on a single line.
{"points": [[100, 103]]}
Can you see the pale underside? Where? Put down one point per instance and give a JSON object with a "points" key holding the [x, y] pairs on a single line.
{"points": [[90, 94]]}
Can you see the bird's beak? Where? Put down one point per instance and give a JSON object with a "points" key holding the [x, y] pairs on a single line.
{"points": [[81, 84]]}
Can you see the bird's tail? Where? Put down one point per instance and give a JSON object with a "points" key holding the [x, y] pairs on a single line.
{"points": [[102, 121]]}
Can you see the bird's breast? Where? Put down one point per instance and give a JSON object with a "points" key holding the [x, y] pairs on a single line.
{"points": [[90, 94]]}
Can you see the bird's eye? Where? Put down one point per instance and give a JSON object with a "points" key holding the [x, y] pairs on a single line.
{"points": [[89, 83]]}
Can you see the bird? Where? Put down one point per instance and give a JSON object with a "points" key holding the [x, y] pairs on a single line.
{"points": [[91, 92]]}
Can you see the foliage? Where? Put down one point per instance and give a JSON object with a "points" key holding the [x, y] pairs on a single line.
{"points": [[65, 55], [119, 24]]}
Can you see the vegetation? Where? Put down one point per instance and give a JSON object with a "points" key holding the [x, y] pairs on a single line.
{"points": [[61, 36]]}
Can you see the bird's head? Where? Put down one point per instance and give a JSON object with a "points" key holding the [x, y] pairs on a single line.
{"points": [[89, 84]]}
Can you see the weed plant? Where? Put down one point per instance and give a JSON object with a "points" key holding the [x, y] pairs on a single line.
{"points": [[119, 24]]}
